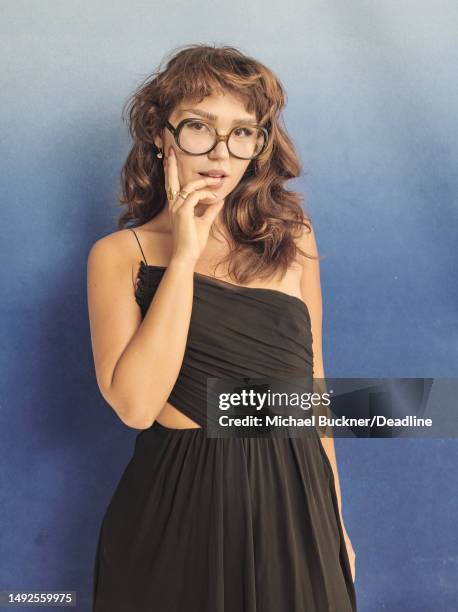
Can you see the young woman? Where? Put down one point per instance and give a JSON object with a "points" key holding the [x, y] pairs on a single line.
{"points": [[198, 523]]}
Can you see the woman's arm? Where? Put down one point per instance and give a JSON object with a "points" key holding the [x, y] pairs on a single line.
{"points": [[311, 292], [137, 362]]}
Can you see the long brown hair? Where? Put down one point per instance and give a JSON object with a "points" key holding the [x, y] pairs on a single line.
{"points": [[262, 218]]}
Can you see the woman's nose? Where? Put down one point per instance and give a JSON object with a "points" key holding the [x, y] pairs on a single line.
{"points": [[220, 151]]}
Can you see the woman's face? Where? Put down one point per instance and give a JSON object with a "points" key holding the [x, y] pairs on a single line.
{"points": [[228, 111]]}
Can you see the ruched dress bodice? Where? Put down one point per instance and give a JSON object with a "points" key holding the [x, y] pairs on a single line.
{"points": [[234, 332]]}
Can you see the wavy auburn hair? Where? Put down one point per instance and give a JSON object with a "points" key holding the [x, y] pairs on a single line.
{"points": [[261, 217]]}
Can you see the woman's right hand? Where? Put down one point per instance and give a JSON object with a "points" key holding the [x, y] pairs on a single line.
{"points": [[189, 232]]}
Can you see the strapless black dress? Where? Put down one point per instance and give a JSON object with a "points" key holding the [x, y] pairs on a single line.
{"points": [[201, 524]]}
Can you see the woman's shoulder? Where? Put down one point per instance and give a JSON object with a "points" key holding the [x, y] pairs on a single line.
{"points": [[306, 241], [113, 247], [124, 247]]}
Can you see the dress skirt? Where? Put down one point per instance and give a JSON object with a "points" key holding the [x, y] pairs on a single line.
{"points": [[199, 524]]}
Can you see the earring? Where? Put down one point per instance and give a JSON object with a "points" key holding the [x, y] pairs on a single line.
{"points": [[159, 154]]}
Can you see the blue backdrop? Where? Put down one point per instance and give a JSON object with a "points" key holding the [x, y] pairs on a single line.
{"points": [[372, 108]]}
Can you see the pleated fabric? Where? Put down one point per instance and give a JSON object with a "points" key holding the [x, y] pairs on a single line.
{"points": [[200, 524], [234, 332]]}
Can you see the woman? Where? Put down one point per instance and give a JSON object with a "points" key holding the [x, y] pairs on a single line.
{"points": [[199, 523]]}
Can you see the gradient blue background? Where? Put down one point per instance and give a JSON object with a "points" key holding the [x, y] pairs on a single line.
{"points": [[372, 108]]}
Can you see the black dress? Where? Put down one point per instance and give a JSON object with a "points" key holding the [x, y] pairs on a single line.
{"points": [[200, 524]]}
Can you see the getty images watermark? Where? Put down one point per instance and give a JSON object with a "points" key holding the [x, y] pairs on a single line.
{"points": [[337, 407]]}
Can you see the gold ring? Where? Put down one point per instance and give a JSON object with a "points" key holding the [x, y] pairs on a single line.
{"points": [[171, 195], [183, 194]]}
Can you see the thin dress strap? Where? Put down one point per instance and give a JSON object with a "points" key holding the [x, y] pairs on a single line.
{"points": [[139, 245]]}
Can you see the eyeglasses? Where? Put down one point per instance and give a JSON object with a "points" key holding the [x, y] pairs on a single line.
{"points": [[196, 137]]}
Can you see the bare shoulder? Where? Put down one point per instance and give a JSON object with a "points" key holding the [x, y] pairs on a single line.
{"points": [[122, 250], [108, 246], [308, 243], [116, 247]]}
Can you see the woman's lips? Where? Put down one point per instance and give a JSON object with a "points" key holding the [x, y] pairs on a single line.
{"points": [[216, 182]]}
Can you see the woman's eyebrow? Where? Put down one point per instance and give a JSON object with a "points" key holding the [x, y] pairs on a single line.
{"points": [[212, 117]]}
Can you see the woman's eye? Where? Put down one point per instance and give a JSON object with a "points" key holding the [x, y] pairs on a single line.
{"points": [[198, 125], [243, 131]]}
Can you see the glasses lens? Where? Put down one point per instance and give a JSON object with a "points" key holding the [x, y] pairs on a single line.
{"points": [[246, 141], [197, 138]]}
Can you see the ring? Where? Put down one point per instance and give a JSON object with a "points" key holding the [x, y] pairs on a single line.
{"points": [[171, 195], [183, 194]]}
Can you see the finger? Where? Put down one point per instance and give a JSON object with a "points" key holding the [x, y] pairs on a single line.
{"points": [[192, 200], [199, 184], [172, 171], [194, 186], [211, 212]]}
